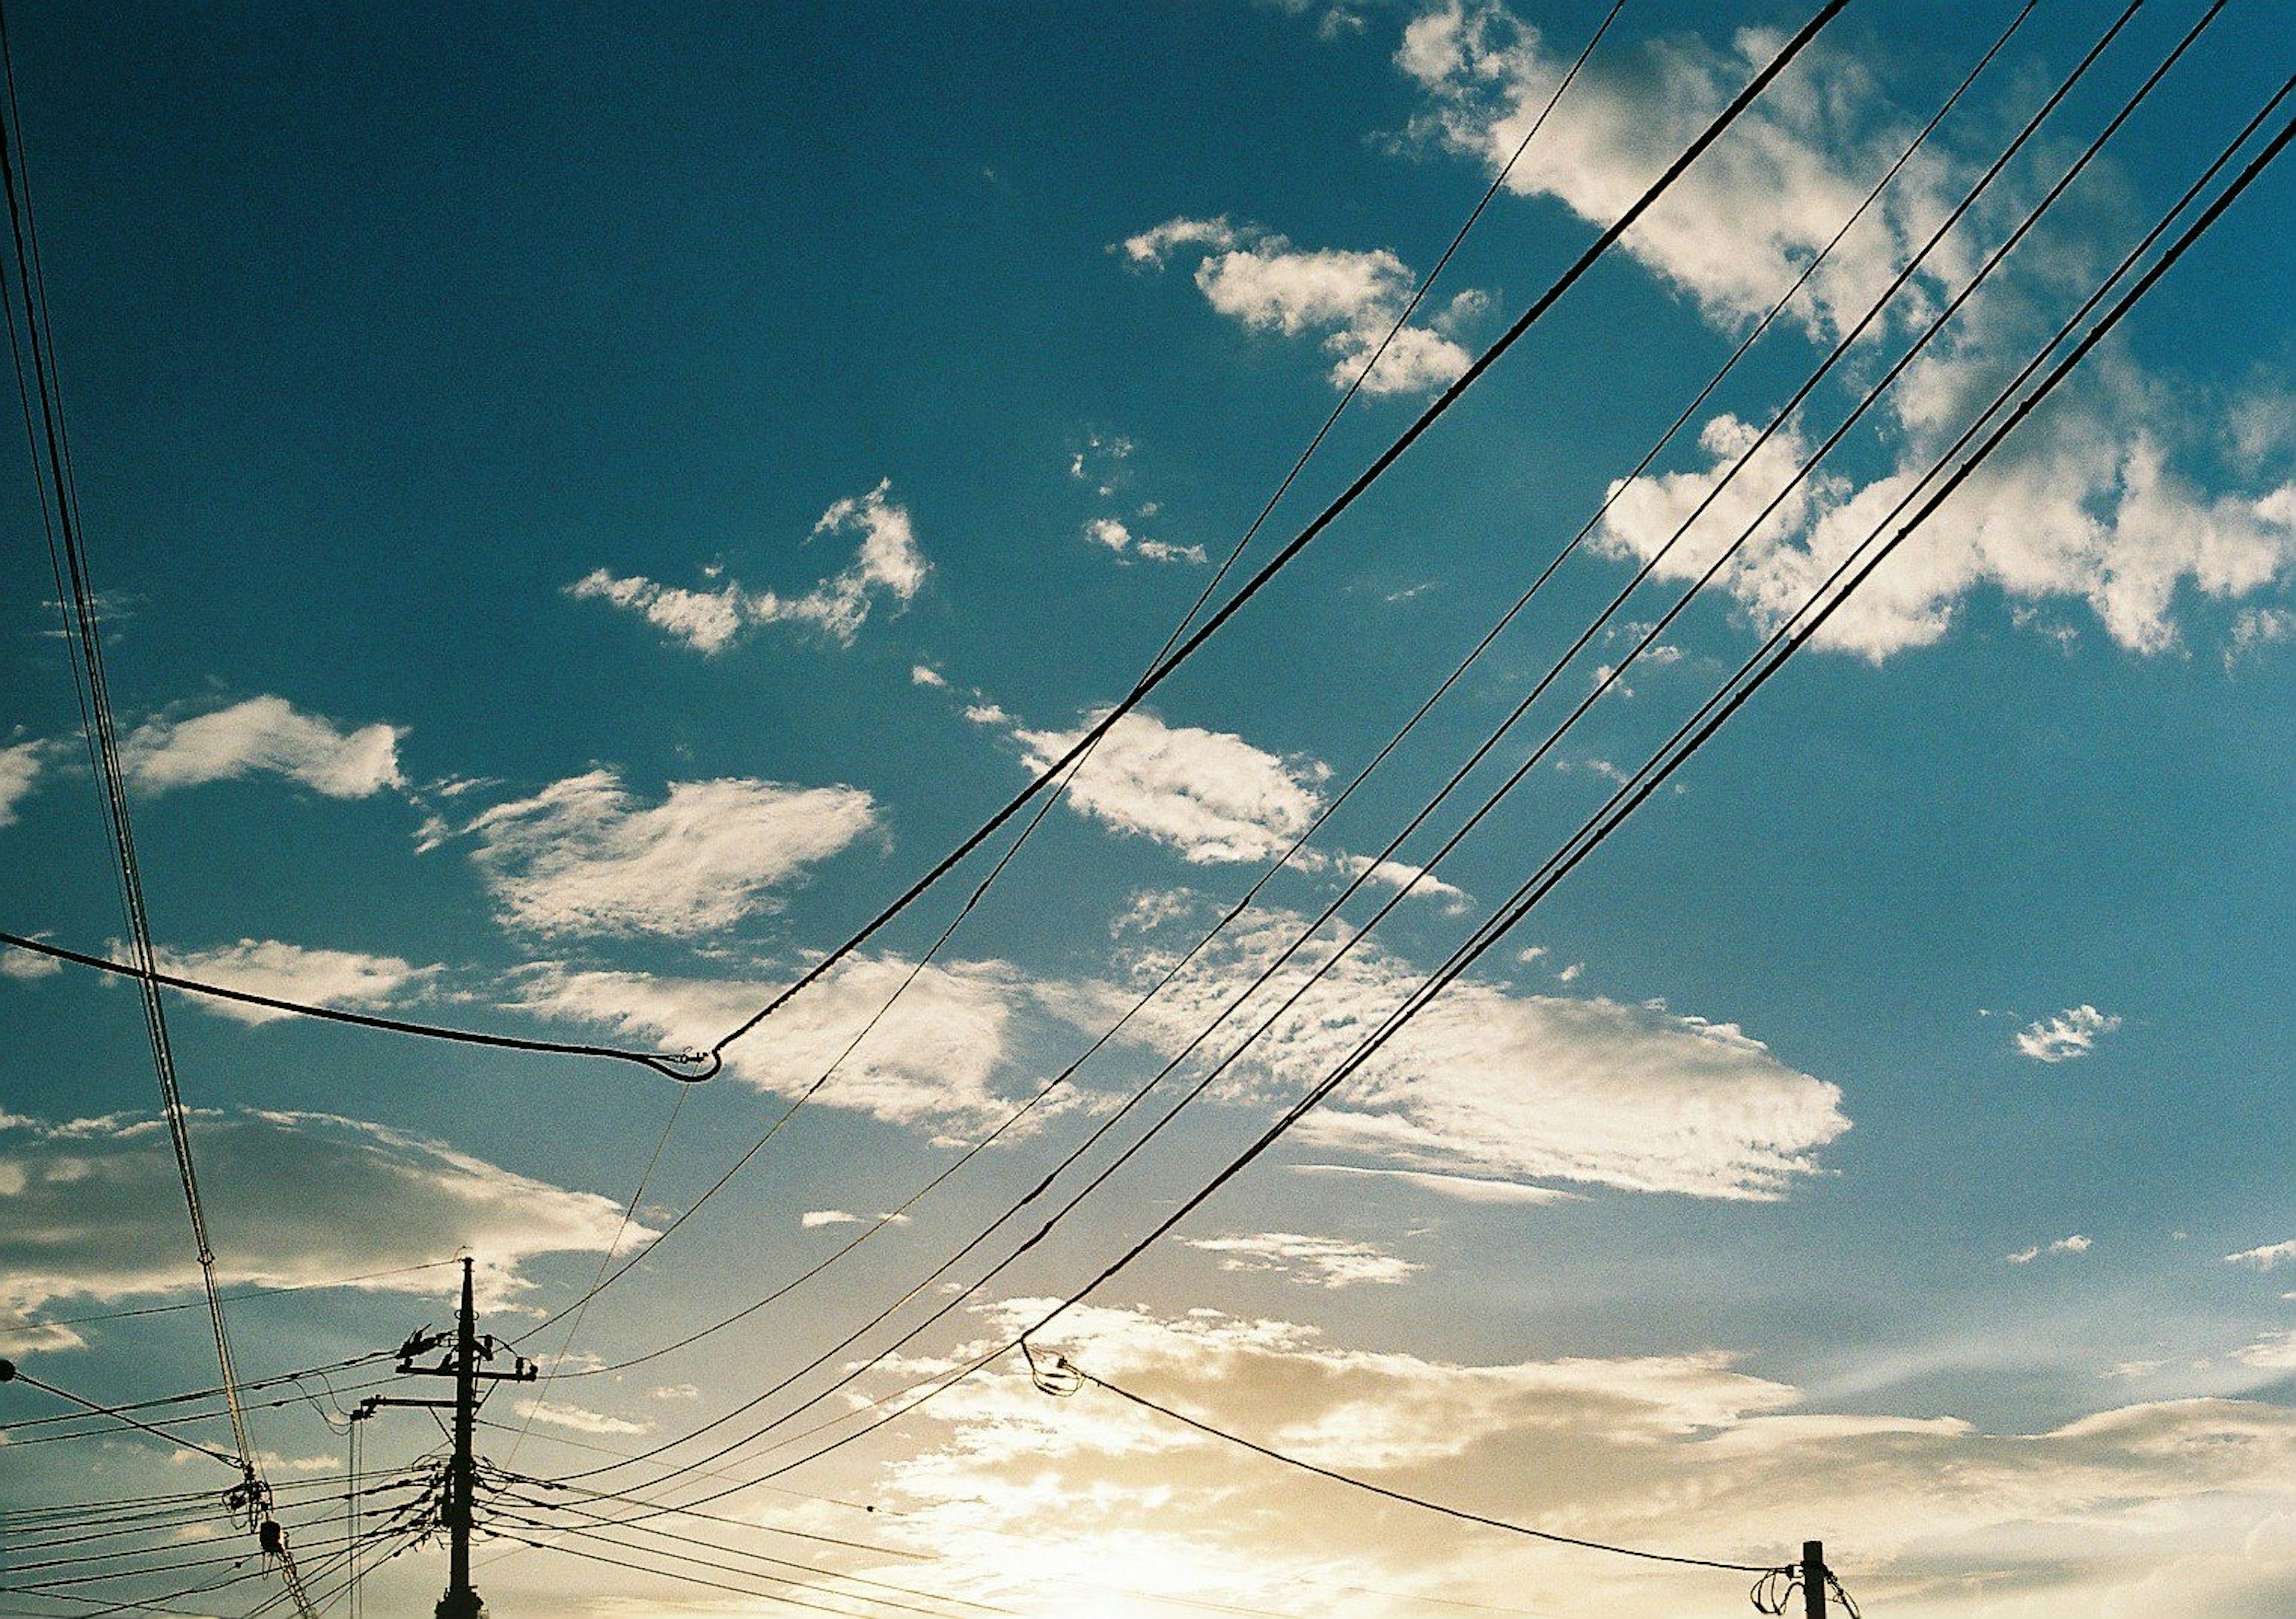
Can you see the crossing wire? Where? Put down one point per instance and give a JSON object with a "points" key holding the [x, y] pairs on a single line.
{"points": [[1784, 644], [1171, 662], [1329, 811], [1268, 975]]}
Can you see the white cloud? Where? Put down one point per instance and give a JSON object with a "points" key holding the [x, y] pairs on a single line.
{"points": [[292, 972], [2270, 1257], [263, 733], [675, 1391], [2072, 1032], [2074, 1244], [889, 565], [924, 674], [1208, 794], [2087, 502], [577, 1420], [1109, 532], [92, 1210], [1492, 1084], [1164, 550], [25, 967], [2253, 629], [1114, 534], [1679, 1452], [1351, 299], [20, 765], [1466, 1189], [579, 856], [814, 1217], [942, 1058], [1316, 1262]]}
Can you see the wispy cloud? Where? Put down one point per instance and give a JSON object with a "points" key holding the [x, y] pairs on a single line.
{"points": [[2072, 1032], [1316, 1262], [1492, 1084], [584, 856], [264, 735], [889, 565]]}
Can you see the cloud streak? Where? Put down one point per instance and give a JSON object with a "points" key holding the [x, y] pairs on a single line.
{"points": [[263, 735]]}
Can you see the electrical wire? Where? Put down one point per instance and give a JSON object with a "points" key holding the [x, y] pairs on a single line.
{"points": [[1788, 640], [686, 1067], [228, 1298], [1450, 395], [1331, 809], [1268, 975], [1460, 1513]]}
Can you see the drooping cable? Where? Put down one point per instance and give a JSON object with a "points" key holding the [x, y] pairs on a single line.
{"points": [[1460, 1513], [686, 1067]]}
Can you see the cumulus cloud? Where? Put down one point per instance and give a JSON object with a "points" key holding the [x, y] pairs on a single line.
{"points": [[91, 1210], [582, 856], [1488, 1083], [20, 766], [1672, 1451], [943, 1056], [1350, 299], [293, 972], [2072, 1032], [925, 674], [263, 734], [889, 565], [2094, 500], [1316, 1262], [1208, 794]]}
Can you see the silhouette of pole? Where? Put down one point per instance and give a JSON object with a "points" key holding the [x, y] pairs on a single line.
{"points": [[1813, 1580], [466, 1349]]}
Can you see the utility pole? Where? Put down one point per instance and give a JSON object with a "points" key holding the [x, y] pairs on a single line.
{"points": [[465, 1349], [1813, 1580]]}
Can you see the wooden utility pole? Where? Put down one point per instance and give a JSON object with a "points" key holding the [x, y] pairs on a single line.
{"points": [[457, 1507], [1813, 1579]]}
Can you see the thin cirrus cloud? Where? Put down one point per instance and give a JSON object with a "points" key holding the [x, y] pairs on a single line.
{"points": [[1683, 1451], [263, 735], [889, 565], [1350, 299], [584, 856], [95, 1210], [1330, 1263], [2093, 501]]}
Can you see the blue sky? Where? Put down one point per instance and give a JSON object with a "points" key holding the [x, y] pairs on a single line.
{"points": [[588, 507]]}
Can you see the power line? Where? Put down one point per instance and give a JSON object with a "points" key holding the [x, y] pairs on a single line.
{"points": [[1443, 402], [686, 1067], [1330, 810], [1268, 975], [1460, 1513], [1788, 640], [965, 910], [229, 1298]]}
